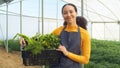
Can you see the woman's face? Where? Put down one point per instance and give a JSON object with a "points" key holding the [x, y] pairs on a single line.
{"points": [[69, 14]]}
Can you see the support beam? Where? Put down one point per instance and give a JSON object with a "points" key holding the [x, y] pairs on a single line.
{"points": [[104, 21], [82, 14], [42, 16], [20, 16], [119, 29], [82, 8], [6, 45], [39, 16]]}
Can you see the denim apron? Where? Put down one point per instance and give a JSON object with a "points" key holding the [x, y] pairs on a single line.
{"points": [[71, 40]]}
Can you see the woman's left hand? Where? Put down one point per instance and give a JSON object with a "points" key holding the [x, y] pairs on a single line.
{"points": [[63, 49]]}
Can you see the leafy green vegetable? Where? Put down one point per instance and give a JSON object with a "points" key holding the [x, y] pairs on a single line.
{"points": [[40, 42]]}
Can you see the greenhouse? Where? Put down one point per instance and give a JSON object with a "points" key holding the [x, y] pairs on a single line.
{"points": [[30, 17]]}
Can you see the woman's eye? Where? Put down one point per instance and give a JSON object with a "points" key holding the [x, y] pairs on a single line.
{"points": [[71, 11], [65, 13]]}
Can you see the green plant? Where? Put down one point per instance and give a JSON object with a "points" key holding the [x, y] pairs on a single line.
{"points": [[104, 54], [1, 42], [13, 45], [40, 42]]}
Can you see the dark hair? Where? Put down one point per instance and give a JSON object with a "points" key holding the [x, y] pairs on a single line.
{"points": [[80, 21], [70, 5]]}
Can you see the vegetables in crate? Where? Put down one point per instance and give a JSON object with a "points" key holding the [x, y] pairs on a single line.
{"points": [[40, 42]]}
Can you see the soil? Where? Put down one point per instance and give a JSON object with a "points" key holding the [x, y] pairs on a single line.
{"points": [[12, 60]]}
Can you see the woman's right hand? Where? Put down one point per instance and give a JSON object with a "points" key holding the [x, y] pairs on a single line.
{"points": [[63, 49], [22, 42]]}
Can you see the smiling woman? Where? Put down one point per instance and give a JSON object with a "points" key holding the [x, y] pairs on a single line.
{"points": [[69, 14], [75, 41]]}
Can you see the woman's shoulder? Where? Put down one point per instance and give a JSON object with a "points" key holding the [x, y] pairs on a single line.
{"points": [[58, 30], [60, 27], [84, 31]]}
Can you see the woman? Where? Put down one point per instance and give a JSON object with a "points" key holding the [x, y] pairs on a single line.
{"points": [[75, 41]]}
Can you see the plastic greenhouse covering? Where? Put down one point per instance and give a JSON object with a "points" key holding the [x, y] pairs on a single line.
{"points": [[26, 16]]}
